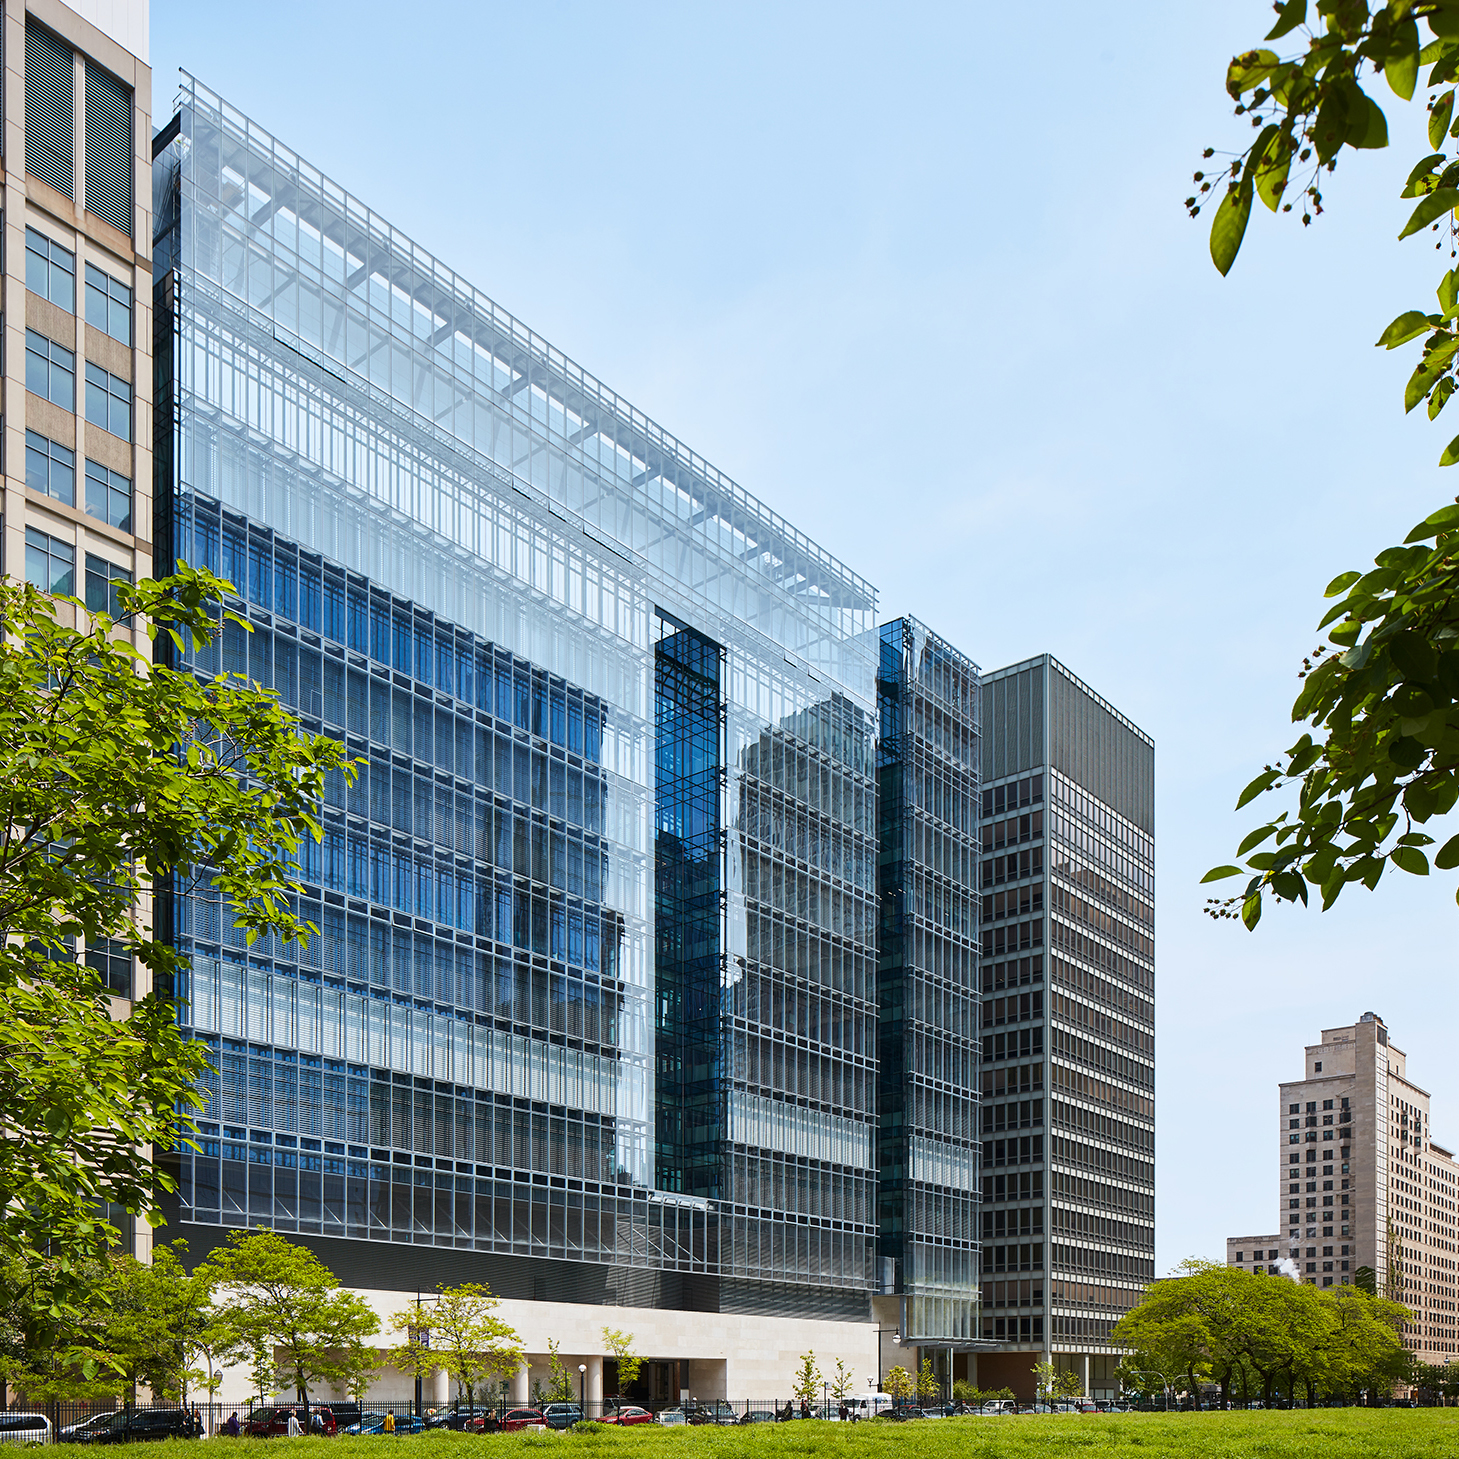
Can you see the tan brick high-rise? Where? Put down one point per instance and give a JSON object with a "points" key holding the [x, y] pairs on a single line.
{"points": [[1364, 1185]]}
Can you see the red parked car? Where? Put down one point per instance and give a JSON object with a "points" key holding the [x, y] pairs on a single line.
{"points": [[628, 1414], [511, 1420], [274, 1422]]}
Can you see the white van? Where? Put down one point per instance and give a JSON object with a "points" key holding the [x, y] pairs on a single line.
{"points": [[867, 1405], [24, 1428]]}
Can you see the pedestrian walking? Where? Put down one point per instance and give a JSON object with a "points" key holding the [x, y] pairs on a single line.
{"points": [[389, 1420], [232, 1427], [293, 1426]]}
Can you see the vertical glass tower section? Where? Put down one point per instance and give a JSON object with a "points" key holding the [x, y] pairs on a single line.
{"points": [[688, 881], [590, 1003], [927, 975]]}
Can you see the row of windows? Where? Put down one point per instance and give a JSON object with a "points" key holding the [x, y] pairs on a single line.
{"points": [[1013, 795], [1016, 864], [50, 469], [1014, 974], [50, 564], [50, 272], [279, 578], [50, 372], [806, 1011]]}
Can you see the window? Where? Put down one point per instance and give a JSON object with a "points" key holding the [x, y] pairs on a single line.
{"points": [[1312, 1106], [108, 402], [108, 148], [50, 270], [114, 963], [1327, 1104], [50, 109], [1240, 1256], [108, 305], [50, 370], [102, 580], [1294, 1109], [49, 563], [1294, 1124], [50, 469], [108, 496], [1317, 1067]]}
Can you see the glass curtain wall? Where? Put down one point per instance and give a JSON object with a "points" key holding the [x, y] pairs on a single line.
{"points": [[928, 768], [459, 552]]}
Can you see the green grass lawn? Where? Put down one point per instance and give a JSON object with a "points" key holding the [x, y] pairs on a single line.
{"points": [[1351, 1433]]}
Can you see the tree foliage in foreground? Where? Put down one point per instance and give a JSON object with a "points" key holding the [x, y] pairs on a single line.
{"points": [[1263, 1334], [1379, 757], [114, 776], [289, 1311]]}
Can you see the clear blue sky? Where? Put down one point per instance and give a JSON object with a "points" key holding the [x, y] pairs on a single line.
{"points": [[919, 277]]}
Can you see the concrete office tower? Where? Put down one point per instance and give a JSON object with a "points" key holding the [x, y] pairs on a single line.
{"points": [[591, 1013], [1364, 1186], [1256, 1253], [1068, 974], [78, 358], [927, 771]]}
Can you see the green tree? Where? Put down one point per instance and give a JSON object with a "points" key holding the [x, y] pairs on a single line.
{"points": [[559, 1381], [620, 1344], [1379, 757], [806, 1384], [52, 1321], [929, 1386], [358, 1365], [899, 1383], [288, 1304], [842, 1382], [461, 1333], [115, 776]]}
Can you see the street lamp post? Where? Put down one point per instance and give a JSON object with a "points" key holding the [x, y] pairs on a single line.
{"points": [[583, 1388], [825, 1399]]}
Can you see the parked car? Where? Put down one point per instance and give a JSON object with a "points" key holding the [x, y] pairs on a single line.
{"points": [[719, 1411], [562, 1415], [140, 1424], [999, 1406], [459, 1417], [374, 1423], [672, 1418], [508, 1422], [868, 1405], [75, 1433], [24, 1428], [757, 1416], [274, 1422], [629, 1414]]}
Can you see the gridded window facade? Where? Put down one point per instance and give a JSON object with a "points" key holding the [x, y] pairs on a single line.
{"points": [[1067, 879], [108, 496], [108, 401], [50, 270], [112, 962], [108, 305], [487, 892], [102, 580], [927, 970], [50, 469], [50, 564], [50, 370]]}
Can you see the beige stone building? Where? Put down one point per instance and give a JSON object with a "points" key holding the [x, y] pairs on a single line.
{"points": [[1364, 1186], [78, 323]]}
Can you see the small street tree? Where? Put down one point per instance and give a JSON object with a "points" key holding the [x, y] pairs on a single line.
{"points": [[806, 1385], [289, 1305], [620, 1344], [559, 1380], [842, 1381], [461, 1333], [899, 1383], [929, 1386]]}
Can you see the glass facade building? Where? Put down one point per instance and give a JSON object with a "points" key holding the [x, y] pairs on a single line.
{"points": [[1068, 979], [927, 973], [592, 1005]]}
